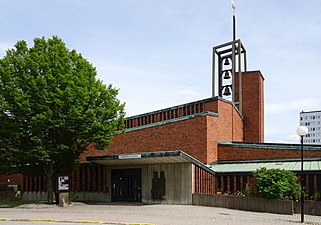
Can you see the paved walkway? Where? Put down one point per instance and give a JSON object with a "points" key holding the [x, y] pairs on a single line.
{"points": [[136, 214]]}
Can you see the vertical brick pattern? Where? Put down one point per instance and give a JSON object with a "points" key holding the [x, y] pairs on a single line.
{"points": [[251, 153], [253, 106], [166, 114], [88, 178], [204, 182]]}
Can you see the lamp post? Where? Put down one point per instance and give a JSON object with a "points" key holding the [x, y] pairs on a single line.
{"points": [[302, 131]]}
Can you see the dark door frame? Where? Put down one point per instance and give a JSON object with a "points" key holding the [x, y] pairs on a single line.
{"points": [[126, 185]]}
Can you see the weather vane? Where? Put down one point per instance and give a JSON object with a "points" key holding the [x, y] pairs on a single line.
{"points": [[234, 8]]}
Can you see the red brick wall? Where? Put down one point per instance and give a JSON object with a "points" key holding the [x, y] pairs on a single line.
{"points": [[228, 126], [12, 179], [187, 135], [227, 152], [196, 136], [253, 106], [91, 151]]}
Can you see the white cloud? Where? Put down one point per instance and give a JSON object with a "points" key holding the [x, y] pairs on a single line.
{"points": [[188, 92], [292, 106]]}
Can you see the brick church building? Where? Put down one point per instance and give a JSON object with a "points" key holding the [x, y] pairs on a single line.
{"points": [[208, 146]]}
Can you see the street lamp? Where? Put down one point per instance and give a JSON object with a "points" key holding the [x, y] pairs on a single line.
{"points": [[302, 131]]}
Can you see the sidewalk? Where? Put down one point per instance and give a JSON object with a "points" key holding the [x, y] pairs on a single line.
{"points": [[136, 214]]}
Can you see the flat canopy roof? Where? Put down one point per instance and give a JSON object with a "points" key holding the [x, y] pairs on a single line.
{"points": [[177, 156], [142, 158], [311, 164]]}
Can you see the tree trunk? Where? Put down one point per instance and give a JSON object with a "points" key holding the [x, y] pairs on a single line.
{"points": [[49, 176]]}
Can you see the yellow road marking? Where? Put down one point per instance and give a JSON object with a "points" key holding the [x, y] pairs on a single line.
{"points": [[90, 221]]}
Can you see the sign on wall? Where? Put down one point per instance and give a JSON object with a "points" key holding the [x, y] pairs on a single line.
{"points": [[63, 183]]}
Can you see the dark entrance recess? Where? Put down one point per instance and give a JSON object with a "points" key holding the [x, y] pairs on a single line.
{"points": [[126, 185], [158, 186]]}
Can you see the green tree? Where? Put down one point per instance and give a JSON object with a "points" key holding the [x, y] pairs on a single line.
{"points": [[276, 184], [52, 107]]}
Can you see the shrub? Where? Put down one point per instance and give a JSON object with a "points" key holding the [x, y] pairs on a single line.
{"points": [[276, 184]]}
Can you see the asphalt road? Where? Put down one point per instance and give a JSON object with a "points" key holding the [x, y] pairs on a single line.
{"points": [[137, 214]]}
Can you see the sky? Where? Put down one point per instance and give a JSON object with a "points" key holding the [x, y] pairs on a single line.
{"points": [[158, 52]]}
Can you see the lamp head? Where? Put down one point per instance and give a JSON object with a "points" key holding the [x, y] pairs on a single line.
{"points": [[302, 131]]}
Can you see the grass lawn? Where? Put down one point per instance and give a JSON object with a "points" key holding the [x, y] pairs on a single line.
{"points": [[19, 202]]}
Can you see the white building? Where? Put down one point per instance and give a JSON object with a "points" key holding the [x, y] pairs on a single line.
{"points": [[312, 120]]}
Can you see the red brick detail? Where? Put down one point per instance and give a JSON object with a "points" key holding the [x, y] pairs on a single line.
{"points": [[91, 151], [197, 136], [253, 106], [100, 178], [228, 126], [240, 153], [187, 135], [204, 182], [12, 179]]}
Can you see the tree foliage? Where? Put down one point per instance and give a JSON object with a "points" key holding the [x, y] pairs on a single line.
{"points": [[276, 184], [51, 107]]}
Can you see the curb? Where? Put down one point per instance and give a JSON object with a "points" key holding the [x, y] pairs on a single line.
{"points": [[73, 221]]}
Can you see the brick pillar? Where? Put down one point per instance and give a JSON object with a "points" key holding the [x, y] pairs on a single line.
{"points": [[83, 178], [44, 184], [36, 184], [75, 180], [214, 185], [94, 178], [228, 184], [89, 178], [24, 186], [104, 173], [315, 180], [253, 106], [99, 179]]}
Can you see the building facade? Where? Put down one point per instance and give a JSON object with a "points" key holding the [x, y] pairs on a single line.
{"points": [[312, 120], [208, 146]]}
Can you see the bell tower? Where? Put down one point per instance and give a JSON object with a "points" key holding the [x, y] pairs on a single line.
{"points": [[229, 61], [245, 89]]}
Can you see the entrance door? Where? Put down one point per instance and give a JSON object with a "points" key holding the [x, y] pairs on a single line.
{"points": [[126, 185]]}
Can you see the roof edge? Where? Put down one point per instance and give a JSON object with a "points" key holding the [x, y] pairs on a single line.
{"points": [[151, 155], [272, 146], [265, 160], [174, 120]]}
